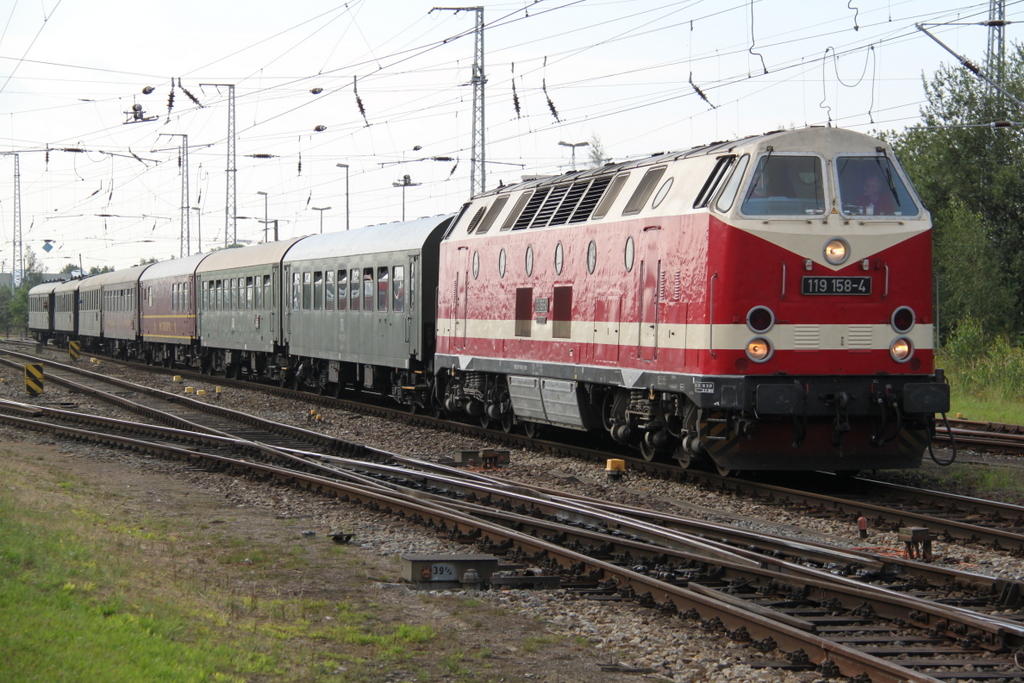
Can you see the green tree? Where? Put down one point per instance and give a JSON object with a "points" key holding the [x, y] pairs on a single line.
{"points": [[971, 176]]}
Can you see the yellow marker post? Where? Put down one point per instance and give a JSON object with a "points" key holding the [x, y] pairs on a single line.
{"points": [[34, 379], [75, 350]]}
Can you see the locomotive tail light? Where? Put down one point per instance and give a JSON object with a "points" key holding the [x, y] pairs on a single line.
{"points": [[903, 319], [760, 319], [901, 349], [837, 251], [865, 264], [808, 264], [759, 349]]}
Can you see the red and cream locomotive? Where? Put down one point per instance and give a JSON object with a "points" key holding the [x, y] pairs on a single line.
{"points": [[765, 303]]}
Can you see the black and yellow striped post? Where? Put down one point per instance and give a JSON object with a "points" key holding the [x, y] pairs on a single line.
{"points": [[34, 379], [75, 350]]}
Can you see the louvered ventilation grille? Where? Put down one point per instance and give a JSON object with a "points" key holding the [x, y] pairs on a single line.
{"points": [[806, 337], [550, 206], [495, 209], [590, 199], [859, 337], [526, 217], [572, 198], [476, 219]]}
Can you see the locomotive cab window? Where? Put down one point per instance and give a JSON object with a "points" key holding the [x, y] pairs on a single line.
{"points": [[870, 186], [785, 185]]}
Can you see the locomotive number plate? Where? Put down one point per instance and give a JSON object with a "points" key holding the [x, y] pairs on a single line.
{"points": [[835, 285]]}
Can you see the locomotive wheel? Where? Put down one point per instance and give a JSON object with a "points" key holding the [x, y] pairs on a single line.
{"points": [[485, 421], [725, 471], [507, 423], [337, 390], [650, 453], [683, 457]]}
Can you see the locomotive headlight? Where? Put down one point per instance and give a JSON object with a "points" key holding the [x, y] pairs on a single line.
{"points": [[760, 319], [901, 349], [837, 251], [903, 319], [759, 349]]}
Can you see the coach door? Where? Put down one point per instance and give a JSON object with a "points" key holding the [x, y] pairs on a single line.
{"points": [[461, 297], [650, 276]]}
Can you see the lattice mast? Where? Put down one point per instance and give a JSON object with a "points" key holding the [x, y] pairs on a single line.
{"points": [[479, 154], [185, 243], [996, 54], [231, 198], [18, 264]]}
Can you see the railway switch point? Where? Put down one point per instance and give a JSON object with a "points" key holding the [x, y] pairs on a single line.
{"points": [[615, 468], [487, 458], [440, 572], [918, 542]]}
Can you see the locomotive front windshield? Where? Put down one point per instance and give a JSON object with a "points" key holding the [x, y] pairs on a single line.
{"points": [[785, 185], [870, 186]]}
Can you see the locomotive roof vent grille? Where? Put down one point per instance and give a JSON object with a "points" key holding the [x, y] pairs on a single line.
{"points": [[476, 219], [551, 204], [516, 210], [526, 217], [643, 191], [492, 214], [590, 199], [572, 198]]}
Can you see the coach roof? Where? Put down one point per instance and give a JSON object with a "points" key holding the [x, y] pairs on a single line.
{"points": [[374, 239], [173, 267], [257, 255], [114, 277]]}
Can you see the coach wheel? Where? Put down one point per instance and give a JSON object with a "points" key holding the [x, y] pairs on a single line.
{"points": [[648, 451], [337, 390], [507, 422], [532, 429]]}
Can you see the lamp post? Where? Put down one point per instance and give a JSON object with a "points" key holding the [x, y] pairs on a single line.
{"points": [[573, 146], [405, 182], [265, 221], [321, 210], [345, 166]]}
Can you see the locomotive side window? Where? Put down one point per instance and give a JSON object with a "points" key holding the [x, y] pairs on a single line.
{"points": [[367, 289], [318, 290], [329, 290], [524, 311], [516, 210], [398, 287], [561, 313], [719, 172], [732, 186], [870, 186], [610, 196], [476, 219], [492, 214], [662, 193], [382, 288], [343, 290], [785, 185], [643, 191]]}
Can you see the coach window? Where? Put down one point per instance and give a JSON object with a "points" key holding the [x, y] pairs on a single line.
{"points": [[257, 295], [342, 290], [307, 290], [187, 301], [382, 288], [524, 311], [367, 289], [329, 290], [355, 278], [318, 290], [218, 295], [268, 292], [236, 285], [149, 295], [250, 294], [561, 313], [296, 290], [398, 287], [785, 185], [412, 285]]}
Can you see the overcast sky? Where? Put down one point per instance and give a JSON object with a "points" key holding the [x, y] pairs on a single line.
{"points": [[640, 76]]}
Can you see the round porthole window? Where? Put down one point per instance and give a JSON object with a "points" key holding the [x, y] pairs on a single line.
{"points": [[476, 264], [501, 263], [529, 260], [591, 256], [630, 253], [559, 256]]}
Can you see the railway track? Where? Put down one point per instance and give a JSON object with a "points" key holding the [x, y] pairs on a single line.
{"points": [[728, 586]]}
